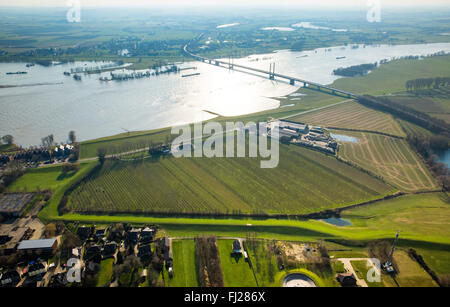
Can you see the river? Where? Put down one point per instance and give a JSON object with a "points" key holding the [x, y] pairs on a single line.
{"points": [[96, 109]]}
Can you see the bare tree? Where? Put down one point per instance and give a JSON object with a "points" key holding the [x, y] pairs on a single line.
{"points": [[48, 141]]}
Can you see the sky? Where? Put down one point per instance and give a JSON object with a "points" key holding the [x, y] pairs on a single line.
{"points": [[305, 3]]}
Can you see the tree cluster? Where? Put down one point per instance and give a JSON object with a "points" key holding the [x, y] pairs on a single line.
{"points": [[356, 70]]}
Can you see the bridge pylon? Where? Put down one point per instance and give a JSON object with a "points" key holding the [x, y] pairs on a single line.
{"points": [[272, 71]]}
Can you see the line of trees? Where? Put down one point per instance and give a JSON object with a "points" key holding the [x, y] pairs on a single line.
{"points": [[208, 262], [426, 146], [421, 119], [426, 83]]}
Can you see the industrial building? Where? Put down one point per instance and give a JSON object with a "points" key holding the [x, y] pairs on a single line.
{"points": [[43, 246]]}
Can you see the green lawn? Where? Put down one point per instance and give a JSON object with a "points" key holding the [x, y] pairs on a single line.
{"points": [[236, 271], [185, 273], [58, 187], [50, 177], [106, 271], [423, 214]]}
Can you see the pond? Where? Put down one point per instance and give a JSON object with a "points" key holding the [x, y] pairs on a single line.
{"points": [[337, 221], [344, 138]]}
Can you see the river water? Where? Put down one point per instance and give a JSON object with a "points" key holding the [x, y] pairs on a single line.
{"points": [[95, 109], [444, 157]]}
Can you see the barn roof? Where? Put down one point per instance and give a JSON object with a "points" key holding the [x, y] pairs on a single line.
{"points": [[36, 244]]}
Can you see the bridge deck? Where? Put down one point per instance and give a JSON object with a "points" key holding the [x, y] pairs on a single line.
{"points": [[289, 78]]}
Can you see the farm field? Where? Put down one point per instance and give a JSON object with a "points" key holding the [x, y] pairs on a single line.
{"points": [[304, 181], [413, 129], [435, 104], [236, 271], [352, 115], [390, 158], [185, 274]]}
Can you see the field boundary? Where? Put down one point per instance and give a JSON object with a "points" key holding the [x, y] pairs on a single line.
{"points": [[368, 131], [324, 214]]}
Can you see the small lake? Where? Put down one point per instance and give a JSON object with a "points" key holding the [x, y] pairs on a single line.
{"points": [[344, 138], [337, 221]]}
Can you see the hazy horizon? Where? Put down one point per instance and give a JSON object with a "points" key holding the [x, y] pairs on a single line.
{"points": [[208, 3]]}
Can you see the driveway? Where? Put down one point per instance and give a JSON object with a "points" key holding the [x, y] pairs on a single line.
{"points": [[349, 268]]}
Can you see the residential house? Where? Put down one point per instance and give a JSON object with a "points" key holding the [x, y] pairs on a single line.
{"points": [[84, 232], [147, 235], [36, 269], [109, 250], [10, 279], [133, 235], [144, 251], [346, 279]]}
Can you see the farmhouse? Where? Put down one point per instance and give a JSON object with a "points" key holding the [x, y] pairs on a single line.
{"points": [[44, 246], [147, 235], [133, 235], [100, 233], [236, 247], [93, 251]]}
